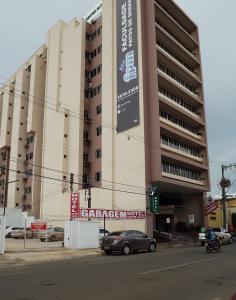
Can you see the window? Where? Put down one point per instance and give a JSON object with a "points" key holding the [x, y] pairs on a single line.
{"points": [[28, 173], [30, 139], [99, 49], [86, 114], [85, 156], [99, 30], [99, 69], [178, 122], [99, 89], [85, 179], [86, 135], [98, 153], [27, 190], [31, 155], [99, 109], [99, 130], [98, 176], [180, 171]]}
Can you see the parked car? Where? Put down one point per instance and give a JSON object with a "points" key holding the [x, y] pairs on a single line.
{"points": [[233, 235], [9, 230], [103, 233], [223, 236], [21, 233], [127, 241], [51, 234]]}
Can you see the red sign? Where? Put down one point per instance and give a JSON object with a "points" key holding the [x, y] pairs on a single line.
{"points": [[211, 207], [74, 206], [38, 226], [111, 214]]}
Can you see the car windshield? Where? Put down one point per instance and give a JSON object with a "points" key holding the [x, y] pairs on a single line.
{"points": [[116, 233]]}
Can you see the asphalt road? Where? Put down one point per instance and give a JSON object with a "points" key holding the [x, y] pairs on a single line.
{"points": [[178, 273]]}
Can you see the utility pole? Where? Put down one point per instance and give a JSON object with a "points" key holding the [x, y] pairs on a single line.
{"points": [[223, 194], [225, 183], [71, 182], [89, 196]]}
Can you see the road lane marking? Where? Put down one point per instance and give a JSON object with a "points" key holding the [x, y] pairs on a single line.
{"points": [[178, 266]]}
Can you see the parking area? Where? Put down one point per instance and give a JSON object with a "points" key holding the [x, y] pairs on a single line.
{"points": [[15, 245]]}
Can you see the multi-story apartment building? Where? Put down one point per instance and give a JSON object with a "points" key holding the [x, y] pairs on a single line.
{"points": [[116, 98]]}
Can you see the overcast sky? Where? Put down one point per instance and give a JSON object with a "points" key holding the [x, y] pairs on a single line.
{"points": [[23, 27]]}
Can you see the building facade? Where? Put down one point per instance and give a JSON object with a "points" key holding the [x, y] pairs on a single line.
{"points": [[116, 99], [215, 218]]}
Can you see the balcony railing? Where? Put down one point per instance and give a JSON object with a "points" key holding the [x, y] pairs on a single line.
{"points": [[172, 76], [175, 38], [179, 60], [179, 102], [181, 173]]}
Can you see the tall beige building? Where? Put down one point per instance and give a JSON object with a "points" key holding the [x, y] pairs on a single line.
{"points": [[115, 98]]}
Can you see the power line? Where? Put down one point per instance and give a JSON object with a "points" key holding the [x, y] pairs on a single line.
{"points": [[78, 183], [62, 172]]}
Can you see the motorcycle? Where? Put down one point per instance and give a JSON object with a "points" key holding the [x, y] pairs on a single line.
{"points": [[213, 246]]}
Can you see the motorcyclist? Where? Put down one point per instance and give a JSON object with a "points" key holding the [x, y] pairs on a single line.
{"points": [[212, 238]]}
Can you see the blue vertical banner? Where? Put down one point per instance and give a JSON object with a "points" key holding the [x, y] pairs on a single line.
{"points": [[128, 115]]}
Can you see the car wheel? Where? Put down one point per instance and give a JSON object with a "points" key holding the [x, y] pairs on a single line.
{"points": [[42, 240], [126, 250], [108, 252], [52, 239], [152, 247], [230, 241], [203, 244]]}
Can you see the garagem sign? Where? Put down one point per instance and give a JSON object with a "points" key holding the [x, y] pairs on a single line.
{"points": [[127, 65], [111, 214]]}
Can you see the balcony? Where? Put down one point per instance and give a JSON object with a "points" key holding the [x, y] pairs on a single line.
{"points": [[87, 121], [87, 164], [181, 178], [183, 173], [164, 54], [177, 29], [27, 206], [179, 128], [182, 153], [177, 80], [87, 142], [167, 32], [174, 100]]}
